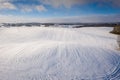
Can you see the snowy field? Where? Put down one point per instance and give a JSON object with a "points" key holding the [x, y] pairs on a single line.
{"points": [[43, 53]]}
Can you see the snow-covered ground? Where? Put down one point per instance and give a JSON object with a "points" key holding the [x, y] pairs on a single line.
{"points": [[39, 53]]}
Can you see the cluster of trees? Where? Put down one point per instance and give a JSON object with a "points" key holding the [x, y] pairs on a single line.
{"points": [[116, 30]]}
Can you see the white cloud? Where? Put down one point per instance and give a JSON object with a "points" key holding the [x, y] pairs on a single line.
{"points": [[58, 3], [7, 5], [40, 8], [30, 8], [4, 0], [26, 8]]}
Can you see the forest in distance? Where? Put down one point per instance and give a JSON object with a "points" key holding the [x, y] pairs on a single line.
{"points": [[74, 25]]}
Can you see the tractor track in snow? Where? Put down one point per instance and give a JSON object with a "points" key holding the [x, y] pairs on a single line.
{"points": [[58, 54]]}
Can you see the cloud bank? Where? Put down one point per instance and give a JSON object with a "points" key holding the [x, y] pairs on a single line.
{"points": [[40, 6], [9, 4], [69, 3], [74, 19]]}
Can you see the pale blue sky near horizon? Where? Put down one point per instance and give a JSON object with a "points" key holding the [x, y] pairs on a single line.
{"points": [[48, 10]]}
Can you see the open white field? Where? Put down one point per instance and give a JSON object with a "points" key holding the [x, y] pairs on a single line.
{"points": [[39, 53]]}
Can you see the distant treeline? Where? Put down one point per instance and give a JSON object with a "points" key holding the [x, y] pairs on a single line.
{"points": [[75, 25]]}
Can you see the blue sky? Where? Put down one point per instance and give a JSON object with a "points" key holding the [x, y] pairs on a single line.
{"points": [[59, 10]]}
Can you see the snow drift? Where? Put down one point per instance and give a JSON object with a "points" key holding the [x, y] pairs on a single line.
{"points": [[38, 53]]}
